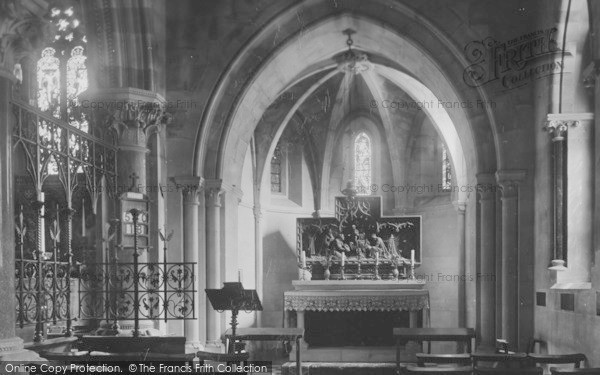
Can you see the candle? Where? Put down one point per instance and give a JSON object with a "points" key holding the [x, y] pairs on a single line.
{"points": [[343, 259], [82, 218], [240, 275], [42, 227], [303, 258], [412, 256]]}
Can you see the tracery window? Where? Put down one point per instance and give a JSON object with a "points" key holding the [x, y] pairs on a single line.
{"points": [[446, 170], [362, 163], [276, 170], [61, 76]]}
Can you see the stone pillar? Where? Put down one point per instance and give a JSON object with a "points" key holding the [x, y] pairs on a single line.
{"points": [[573, 161], [11, 346], [509, 186], [461, 207], [131, 116], [190, 186], [258, 265], [486, 273], [214, 194]]}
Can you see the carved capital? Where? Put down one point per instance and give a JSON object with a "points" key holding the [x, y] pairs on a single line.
{"points": [[558, 128], [214, 191], [130, 115], [189, 186], [22, 27], [558, 124], [258, 213], [461, 207], [508, 181]]}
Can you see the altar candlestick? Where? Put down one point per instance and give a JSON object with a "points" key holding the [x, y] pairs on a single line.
{"points": [[42, 224], [82, 218], [303, 258]]}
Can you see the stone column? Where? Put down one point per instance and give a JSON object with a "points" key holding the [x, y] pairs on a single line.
{"points": [[11, 346], [214, 192], [486, 275], [258, 265], [509, 185], [131, 116], [461, 207], [190, 187], [573, 163]]}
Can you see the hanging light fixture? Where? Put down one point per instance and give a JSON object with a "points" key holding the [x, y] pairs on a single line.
{"points": [[353, 62]]}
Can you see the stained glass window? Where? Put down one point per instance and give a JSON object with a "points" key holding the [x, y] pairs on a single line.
{"points": [[62, 74], [276, 169], [446, 170], [362, 164]]}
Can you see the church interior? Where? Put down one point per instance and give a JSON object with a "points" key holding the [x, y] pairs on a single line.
{"points": [[330, 186]]}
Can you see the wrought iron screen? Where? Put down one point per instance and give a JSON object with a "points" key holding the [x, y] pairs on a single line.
{"points": [[159, 291], [48, 250]]}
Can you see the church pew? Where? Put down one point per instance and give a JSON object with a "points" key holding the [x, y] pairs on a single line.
{"points": [[554, 359], [508, 371], [456, 359], [589, 371], [462, 370], [505, 360]]}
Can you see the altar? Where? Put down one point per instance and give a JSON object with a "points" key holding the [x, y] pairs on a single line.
{"points": [[354, 316], [356, 282]]}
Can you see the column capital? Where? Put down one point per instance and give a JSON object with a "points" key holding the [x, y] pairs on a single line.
{"points": [[486, 186], [190, 186], [214, 191], [258, 212], [509, 181], [130, 114], [558, 124], [460, 206]]}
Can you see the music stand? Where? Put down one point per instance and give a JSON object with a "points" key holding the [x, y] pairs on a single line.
{"points": [[234, 297]]}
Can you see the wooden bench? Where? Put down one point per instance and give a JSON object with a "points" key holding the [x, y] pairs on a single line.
{"points": [[129, 344], [508, 371], [589, 371], [457, 359], [462, 370], [554, 359]]}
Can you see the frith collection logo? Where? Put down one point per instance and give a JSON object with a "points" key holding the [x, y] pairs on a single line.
{"points": [[513, 63]]}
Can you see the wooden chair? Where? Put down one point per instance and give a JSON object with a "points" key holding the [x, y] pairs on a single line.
{"points": [[555, 359], [592, 371], [509, 371], [462, 370], [504, 360], [455, 359]]}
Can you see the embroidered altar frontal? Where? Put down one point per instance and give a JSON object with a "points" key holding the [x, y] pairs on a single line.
{"points": [[356, 300]]}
